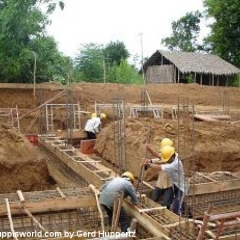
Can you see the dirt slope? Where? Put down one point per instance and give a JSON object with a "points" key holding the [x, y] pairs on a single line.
{"points": [[203, 146]]}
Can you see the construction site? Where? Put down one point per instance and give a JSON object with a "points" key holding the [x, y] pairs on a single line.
{"points": [[51, 174]]}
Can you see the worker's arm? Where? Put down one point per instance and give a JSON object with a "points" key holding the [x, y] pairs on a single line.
{"points": [[152, 151], [132, 193]]}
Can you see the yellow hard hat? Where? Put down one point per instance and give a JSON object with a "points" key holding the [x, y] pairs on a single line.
{"points": [[93, 115], [167, 153], [165, 142], [128, 175], [103, 115]]}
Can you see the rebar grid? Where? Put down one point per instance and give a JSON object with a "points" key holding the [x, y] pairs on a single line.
{"points": [[227, 201], [92, 168], [142, 232], [178, 232], [73, 220], [63, 168], [160, 216]]}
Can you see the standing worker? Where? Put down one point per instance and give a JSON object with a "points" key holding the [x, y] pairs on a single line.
{"points": [[109, 192], [173, 166], [93, 126], [163, 186]]}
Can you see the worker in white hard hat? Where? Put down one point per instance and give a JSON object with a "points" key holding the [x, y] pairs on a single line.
{"points": [[92, 126], [172, 165], [110, 190], [163, 186]]}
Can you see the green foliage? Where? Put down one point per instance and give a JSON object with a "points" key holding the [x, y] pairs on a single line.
{"points": [[89, 63], [91, 66], [224, 39], [190, 78], [124, 73], [114, 52], [22, 42], [185, 33]]}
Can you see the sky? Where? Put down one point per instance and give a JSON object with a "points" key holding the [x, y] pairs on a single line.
{"points": [[139, 24]]}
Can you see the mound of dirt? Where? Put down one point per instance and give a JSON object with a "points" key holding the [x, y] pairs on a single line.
{"points": [[20, 165], [202, 146]]}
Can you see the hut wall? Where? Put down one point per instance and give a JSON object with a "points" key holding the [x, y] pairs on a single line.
{"points": [[160, 74]]}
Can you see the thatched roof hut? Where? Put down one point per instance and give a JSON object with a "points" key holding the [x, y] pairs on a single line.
{"points": [[176, 66]]}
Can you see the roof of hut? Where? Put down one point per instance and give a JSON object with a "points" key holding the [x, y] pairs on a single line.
{"points": [[188, 62]]}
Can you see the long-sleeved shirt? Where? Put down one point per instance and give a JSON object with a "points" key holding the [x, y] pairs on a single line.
{"points": [[117, 185], [93, 124]]}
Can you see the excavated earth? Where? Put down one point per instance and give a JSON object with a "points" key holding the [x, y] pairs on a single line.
{"points": [[203, 146]]}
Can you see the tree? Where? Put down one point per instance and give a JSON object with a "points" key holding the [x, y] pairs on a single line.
{"points": [[89, 63], [124, 73], [22, 41], [115, 52], [185, 33], [224, 38]]}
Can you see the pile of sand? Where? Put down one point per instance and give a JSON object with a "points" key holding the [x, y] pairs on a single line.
{"points": [[20, 164]]}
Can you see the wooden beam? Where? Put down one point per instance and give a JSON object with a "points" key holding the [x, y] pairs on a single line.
{"points": [[151, 209]]}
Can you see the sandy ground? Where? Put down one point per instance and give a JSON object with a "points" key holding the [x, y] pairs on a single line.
{"points": [[203, 146]]}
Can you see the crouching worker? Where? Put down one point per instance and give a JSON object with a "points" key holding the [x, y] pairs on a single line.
{"points": [[93, 125], [109, 192]]}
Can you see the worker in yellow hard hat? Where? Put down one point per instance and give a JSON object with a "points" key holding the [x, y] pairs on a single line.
{"points": [[93, 125], [110, 190], [173, 166], [163, 188]]}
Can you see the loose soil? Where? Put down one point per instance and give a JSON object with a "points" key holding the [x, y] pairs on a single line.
{"points": [[203, 146]]}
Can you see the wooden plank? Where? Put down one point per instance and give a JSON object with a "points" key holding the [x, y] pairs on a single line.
{"points": [[212, 187], [154, 227], [53, 204]]}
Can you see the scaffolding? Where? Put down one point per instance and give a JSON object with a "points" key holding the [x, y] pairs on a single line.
{"points": [[72, 111], [10, 116]]}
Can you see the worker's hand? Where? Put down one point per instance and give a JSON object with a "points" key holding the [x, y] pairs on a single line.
{"points": [[145, 161]]}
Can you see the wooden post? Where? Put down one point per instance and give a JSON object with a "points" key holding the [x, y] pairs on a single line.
{"points": [[34, 219], [205, 222], [20, 195], [98, 205], [61, 193], [116, 211], [10, 219]]}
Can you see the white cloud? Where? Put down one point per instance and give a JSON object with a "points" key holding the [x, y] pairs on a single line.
{"points": [[102, 21]]}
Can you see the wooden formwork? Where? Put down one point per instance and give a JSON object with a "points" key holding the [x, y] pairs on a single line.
{"points": [[91, 170], [221, 189]]}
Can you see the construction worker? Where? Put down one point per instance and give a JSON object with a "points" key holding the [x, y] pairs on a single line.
{"points": [[163, 186], [172, 165], [110, 190], [93, 125]]}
